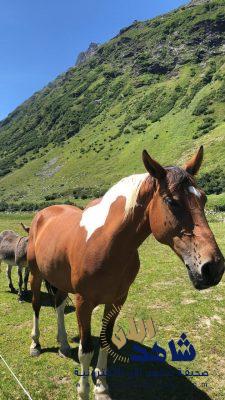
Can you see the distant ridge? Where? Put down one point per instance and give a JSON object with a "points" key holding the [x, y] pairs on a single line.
{"points": [[197, 2]]}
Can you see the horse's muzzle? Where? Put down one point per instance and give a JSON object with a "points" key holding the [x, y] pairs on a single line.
{"points": [[211, 274]]}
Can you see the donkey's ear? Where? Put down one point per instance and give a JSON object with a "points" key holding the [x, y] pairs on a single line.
{"points": [[26, 228], [193, 166], [152, 166]]}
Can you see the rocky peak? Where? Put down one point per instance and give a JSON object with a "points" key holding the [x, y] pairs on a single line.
{"points": [[84, 55]]}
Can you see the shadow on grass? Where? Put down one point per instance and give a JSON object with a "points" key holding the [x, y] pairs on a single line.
{"points": [[151, 380], [74, 351], [50, 350], [47, 300]]}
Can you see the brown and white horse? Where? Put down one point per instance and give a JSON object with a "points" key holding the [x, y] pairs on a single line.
{"points": [[94, 253]]}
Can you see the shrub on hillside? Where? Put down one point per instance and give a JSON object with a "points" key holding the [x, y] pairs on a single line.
{"points": [[157, 103], [213, 182], [88, 192], [202, 106], [207, 126]]}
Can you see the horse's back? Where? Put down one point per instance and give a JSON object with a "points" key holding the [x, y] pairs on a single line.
{"points": [[52, 214]]}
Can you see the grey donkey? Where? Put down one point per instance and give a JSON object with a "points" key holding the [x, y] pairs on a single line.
{"points": [[13, 251]]}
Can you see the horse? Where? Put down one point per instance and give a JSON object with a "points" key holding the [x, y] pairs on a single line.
{"points": [[93, 253], [13, 248]]}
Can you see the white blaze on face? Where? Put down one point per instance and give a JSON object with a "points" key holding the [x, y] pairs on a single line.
{"points": [[95, 217], [194, 191]]}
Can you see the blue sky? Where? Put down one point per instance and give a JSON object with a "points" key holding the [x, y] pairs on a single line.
{"points": [[41, 39]]}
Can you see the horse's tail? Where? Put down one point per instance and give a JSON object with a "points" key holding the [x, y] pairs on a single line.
{"points": [[52, 291], [50, 288], [26, 228]]}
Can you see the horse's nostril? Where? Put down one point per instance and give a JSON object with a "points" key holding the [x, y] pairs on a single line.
{"points": [[212, 272], [208, 271]]}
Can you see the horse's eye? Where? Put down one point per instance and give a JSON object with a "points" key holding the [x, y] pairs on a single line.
{"points": [[171, 202]]}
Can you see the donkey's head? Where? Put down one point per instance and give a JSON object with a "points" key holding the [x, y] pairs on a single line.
{"points": [[177, 218]]}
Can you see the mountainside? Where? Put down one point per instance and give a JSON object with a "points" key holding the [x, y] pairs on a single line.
{"points": [[159, 84]]}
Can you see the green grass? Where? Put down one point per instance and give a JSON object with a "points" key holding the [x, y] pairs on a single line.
{"points": [[161, 291]]}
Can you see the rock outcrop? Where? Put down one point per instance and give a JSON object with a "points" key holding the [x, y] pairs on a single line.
{"points": [[84, 55]]}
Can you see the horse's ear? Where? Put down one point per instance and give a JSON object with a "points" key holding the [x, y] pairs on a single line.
{"points": [[152, 166], [193, 166]]}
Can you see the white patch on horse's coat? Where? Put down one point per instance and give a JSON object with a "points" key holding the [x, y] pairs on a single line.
{"points": [[35, 332], [102, 361], [101, 386], [194, 191], [85, 362], [62, 335], [95, 217], [85, 359]]}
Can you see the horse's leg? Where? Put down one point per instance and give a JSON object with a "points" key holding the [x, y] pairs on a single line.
{"points": [[36, 279], [111, 312], [20, 283], [9, 276], [26, 277], [60, 302], [85, 353]]}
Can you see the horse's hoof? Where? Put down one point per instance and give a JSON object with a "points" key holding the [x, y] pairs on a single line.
{"points": [[64, 353], [101, 392], [35, 352], [13, 290], [20, 299], [83, 392]]}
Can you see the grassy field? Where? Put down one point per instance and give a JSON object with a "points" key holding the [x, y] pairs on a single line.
{"points": [[163, 292]]}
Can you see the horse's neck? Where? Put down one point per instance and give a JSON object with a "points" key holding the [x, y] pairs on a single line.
{"points": [[122, 213]]}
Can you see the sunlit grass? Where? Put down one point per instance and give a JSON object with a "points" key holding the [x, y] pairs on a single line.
{"points": [[162, 291]]}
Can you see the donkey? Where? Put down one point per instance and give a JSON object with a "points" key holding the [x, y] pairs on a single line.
{"points": [[94, 253], [13, 251]]}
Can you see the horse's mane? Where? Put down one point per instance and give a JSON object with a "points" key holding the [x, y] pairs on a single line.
{"points": [[133, 183], [130, 186]]}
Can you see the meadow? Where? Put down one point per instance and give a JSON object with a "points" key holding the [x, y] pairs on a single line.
{"points": [[163, 292]]}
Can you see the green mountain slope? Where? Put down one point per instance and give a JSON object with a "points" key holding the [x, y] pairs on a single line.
{"points": [[159, 85]]}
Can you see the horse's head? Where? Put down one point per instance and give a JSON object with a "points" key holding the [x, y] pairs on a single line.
{"points": [[177, 218]]}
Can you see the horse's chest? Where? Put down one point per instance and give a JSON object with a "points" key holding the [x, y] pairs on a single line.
{"points": [[111, 278]]}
